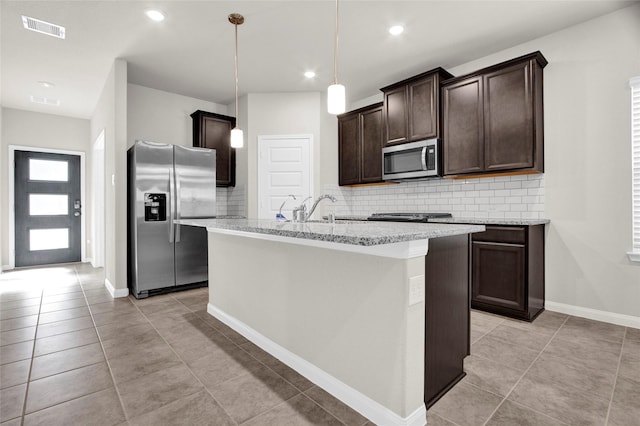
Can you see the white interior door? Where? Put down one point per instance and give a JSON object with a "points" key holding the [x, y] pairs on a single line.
{"points": [[284, 167]]}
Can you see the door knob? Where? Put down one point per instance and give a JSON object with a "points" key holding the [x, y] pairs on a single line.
{"points": [[76, 214]]}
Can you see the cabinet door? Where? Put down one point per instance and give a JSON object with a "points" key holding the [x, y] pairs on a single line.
{"points": [[371, 145], [396, 116], [423, 109], [508, 112], [498, 277], [463, 131], [348, 150]]}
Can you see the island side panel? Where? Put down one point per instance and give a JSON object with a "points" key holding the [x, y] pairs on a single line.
{"points": [[348, 314]]}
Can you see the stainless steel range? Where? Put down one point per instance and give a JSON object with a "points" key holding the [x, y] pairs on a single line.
{"points": [[406, 217]]}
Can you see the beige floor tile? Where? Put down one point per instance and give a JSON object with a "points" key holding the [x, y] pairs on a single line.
{"points": [[16, 336], [146, 359], [11, 402], [68, 359], [63, 297], [60, 327], [534, 339], [510, 414], [165, 305], [489, 375], [60, 342], [337, 408], [560, 401], [21, 303], [630, 366], [197, 409], [547, 321], [14, 373], [16, 352], [484, 322], [66, 386], [191, 329], [64, 315], [251, 394], [466, 405], [287, 373], [169, 319], [124, 329], [220, 366], [99, 298], [299, 410], [625, 407], [19, 295], [433, 420], [191, 348], [20, 322], [60, 306], [62, 289], [503, 352], [24, 311], [581, 329], [97, 409], [595, 354], [119, 306], [150, 392]]}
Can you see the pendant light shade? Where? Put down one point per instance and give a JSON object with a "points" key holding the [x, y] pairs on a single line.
{"points": [[336, 93], [237, 137], [336, 99]]}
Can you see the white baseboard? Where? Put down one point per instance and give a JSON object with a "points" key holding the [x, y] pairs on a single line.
{"points": [[594, 314], [366, 406], [115, 292], [6, 267]]}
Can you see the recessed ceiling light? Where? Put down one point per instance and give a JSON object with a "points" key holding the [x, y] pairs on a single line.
{"points": [[309, 74], [46, 84], [396, 30], [43, 27], [45, 101], [155, 15]]}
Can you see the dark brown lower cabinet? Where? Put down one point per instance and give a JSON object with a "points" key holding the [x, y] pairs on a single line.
{"points": [[446, 315], [507, 271]]}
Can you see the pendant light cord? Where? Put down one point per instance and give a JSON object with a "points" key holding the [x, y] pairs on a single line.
{"points": [[236, 68], [335, 51]]}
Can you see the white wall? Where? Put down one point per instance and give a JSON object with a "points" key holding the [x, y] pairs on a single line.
{"points": [[39, 130], [587, 161], [277, 114], [163, 117], [111, 115]]}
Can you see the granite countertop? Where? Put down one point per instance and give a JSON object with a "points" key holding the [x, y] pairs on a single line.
{"points": [[490, 221], [359, 233]]}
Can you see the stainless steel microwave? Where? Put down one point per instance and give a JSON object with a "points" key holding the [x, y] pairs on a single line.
{"points": [[415, 160]]}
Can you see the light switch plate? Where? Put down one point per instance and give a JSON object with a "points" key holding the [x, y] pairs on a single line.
{"points": [[416, 290]]}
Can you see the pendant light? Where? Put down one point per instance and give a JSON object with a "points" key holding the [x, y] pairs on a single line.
{"points": [[237, 138], [336, 92]]}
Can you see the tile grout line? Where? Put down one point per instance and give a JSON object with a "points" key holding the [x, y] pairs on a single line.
{"points": [[181, 360], [615, 382], [33, 349], [525, 373], [106, 360]]}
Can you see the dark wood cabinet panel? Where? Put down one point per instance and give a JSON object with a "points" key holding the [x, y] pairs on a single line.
{"points": [[396, 112], [348, 146], [412, 108], [371, 154], [493, 119], [463, 132], [360, 146], [507, 271], [213, 131], [498, 270], [446, 314]]}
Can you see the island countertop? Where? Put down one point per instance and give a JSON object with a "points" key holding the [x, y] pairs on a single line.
{"points": [[341, 232]]}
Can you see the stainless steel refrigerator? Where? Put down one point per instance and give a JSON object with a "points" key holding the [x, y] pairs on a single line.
{"points": [[166, 183]]}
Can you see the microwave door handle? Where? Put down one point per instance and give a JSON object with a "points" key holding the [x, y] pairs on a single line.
{"points": [[424, 158]]}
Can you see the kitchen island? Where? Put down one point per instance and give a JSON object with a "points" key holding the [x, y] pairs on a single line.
{"points": [[344, 304]]}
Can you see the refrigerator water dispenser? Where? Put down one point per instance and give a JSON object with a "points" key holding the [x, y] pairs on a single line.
{"points": [[155, 207]]}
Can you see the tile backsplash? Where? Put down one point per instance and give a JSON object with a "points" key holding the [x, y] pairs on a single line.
{"points": [[504, 197]]}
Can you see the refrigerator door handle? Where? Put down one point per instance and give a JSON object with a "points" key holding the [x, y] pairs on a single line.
{"points": [[171, 194], [177, 205]]}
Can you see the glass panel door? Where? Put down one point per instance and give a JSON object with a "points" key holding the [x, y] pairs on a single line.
{"points": [[48, 208]]}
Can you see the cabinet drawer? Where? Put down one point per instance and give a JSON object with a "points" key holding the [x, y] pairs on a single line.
{"points": [[502, 234]]}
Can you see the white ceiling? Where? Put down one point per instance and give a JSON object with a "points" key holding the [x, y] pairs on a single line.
{"points": [[191, 52]]}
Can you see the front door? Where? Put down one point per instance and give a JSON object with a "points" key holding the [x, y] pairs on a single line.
{"points": [[47, 208]]}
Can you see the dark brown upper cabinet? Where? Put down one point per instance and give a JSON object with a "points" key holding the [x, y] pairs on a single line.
{"points": [[213, 131], [360, 145], [493, 119], [412, 108]]}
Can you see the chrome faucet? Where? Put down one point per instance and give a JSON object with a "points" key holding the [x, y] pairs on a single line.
{"points": [[300, 213], [280, 216]]}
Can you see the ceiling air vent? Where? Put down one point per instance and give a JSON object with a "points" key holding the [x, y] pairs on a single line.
{"points": [[43, 27], [45, 101]]}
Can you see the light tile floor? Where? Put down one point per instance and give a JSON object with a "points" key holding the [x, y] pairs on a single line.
{"points": [[72, 355]]}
